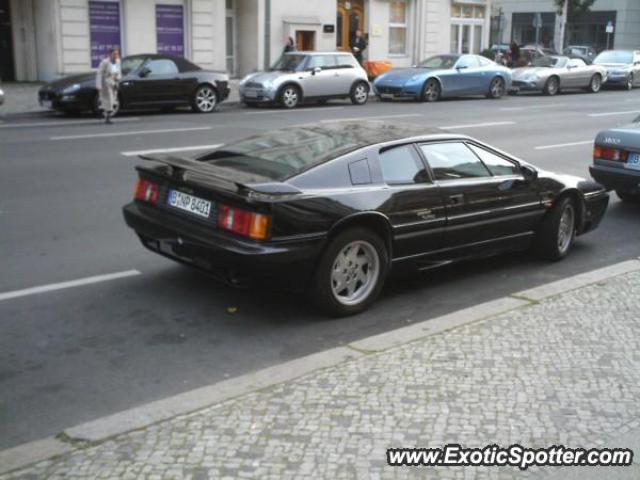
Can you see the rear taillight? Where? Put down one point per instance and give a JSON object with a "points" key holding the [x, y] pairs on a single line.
{"points": [[241, 222], [611, 154], [146, 191]]}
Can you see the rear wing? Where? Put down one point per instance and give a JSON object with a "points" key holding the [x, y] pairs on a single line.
{"points": [[212, 176]]}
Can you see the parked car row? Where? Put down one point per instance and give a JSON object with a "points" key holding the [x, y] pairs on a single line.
{"points": [[164, 81]]}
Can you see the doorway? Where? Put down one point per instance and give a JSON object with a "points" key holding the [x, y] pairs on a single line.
{"points": [[7, 67], [305, 40], [350, 17]]}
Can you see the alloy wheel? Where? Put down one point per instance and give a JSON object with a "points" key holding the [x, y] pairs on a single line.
{"points": [[566, 228], [552, 86], [596, 83], [206, 99], [290, 97], [355, 272], [431, 91], [497, 88], [360, 94]]}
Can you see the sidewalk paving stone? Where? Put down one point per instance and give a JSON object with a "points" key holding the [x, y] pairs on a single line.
{"points": [[565, 370]]}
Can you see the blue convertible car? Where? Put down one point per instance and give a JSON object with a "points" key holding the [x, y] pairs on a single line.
{"points": [[445, 76]]}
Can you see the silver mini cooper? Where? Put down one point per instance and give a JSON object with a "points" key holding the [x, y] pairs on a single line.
{"points": [[307, 76]]}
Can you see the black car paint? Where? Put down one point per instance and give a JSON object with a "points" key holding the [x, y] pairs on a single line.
{"points": [[136, 91], [613, 174], [420, 225]]}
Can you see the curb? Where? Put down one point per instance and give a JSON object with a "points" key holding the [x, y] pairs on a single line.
{"points": [[137, 418]]}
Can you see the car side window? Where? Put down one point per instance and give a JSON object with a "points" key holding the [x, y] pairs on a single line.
{"points": [[162, 67], [576, 62], [497, 165], [453, 161], [346, 61], [467, 61], [324, 62], [483, 62], [401, 165]]}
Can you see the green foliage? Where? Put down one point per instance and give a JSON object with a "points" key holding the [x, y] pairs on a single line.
{"points": [[574, 7]]}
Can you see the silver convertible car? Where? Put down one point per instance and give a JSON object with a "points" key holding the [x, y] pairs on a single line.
{"points": [[554, 72], [445, 76], [307, 76]]}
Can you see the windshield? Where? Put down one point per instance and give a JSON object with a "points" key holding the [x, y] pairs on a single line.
{"points": [[440, 61], [289, 63], [129, 64], [556, 62], [614, 56]]}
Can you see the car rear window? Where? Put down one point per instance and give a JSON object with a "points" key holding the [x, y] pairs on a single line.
{"points": [[614, 56], [276, 156]]}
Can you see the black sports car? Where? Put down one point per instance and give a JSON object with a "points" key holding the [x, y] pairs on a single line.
{"points": [[148, 81], [331, 208], [616, 160]]}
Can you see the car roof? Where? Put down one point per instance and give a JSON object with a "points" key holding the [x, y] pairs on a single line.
{"points": [[310, 52]]}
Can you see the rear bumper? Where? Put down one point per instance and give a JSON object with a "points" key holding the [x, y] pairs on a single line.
{"points": [[616, 178], [595, 206], [285, 264]]}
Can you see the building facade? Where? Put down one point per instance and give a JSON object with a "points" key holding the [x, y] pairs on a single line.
{"points": [[46, 39], [526, 20]]}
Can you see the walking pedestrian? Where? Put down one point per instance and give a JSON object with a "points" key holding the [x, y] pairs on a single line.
{"points": [[289, 45], [358, 45], [107, 79]]}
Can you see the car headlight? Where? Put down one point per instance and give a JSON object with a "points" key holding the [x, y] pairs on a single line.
{"points": [[73, 88]]}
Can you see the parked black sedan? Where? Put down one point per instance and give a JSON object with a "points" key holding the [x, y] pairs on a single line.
{"points": [[148, 81], [331, 208], [616, 161]]}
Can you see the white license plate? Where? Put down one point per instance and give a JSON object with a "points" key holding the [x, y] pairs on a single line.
{"points": [[633, 161], [189, 203], [386, 95], [250, 93], [46, 104]]}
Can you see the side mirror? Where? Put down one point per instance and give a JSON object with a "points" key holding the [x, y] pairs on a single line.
{"points": [[529, 173], [315, 70], [144, 72]]}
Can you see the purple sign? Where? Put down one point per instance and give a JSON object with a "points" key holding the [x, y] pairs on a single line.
{"points": [[104, 26], [170, 30]]}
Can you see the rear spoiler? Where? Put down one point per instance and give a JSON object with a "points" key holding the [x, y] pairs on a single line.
{"points": [[210, 176]]}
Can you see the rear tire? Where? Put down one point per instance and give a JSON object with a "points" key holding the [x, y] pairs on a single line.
{"points": [[552, 86], [558, 231], [431, 91], [497, 88], [350, 273], [595, 84], [629, 197], [359, 93]]}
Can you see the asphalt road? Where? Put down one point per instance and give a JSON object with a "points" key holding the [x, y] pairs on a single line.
{"points": [[75, 354]]}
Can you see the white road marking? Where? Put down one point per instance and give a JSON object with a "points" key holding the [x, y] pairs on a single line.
{"points": [[373, 117], [70, 284], [476, 125], [121, 134], [606, 114], [63, 123], [513, 109], [294, 110], [135, 153], [562, 145]]}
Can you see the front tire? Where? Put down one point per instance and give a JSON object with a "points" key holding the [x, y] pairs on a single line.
{"points": [[629, 197], [497, 88], [359, 93], [289, 97], [552, 86], [431, 91], [557, 232], [205, 99], [595, 84], [351, 273]]}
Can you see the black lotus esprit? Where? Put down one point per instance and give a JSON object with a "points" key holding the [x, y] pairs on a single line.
{"points": [[331, 208], [148, 81]]}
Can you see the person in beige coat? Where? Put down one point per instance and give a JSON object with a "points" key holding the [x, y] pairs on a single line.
{"points": [[107, 80]]}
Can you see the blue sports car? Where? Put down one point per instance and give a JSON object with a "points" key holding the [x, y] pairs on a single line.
{"points": [[445, 76]]}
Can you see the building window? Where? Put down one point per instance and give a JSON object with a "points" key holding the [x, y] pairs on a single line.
{"points": [[467, 28], [230, 29], [397, 28]]}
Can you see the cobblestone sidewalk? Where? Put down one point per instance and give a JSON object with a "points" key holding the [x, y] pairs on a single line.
{"points": [[562, 371]]}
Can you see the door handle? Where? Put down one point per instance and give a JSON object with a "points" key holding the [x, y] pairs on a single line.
{"points": [[456, 199]]}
